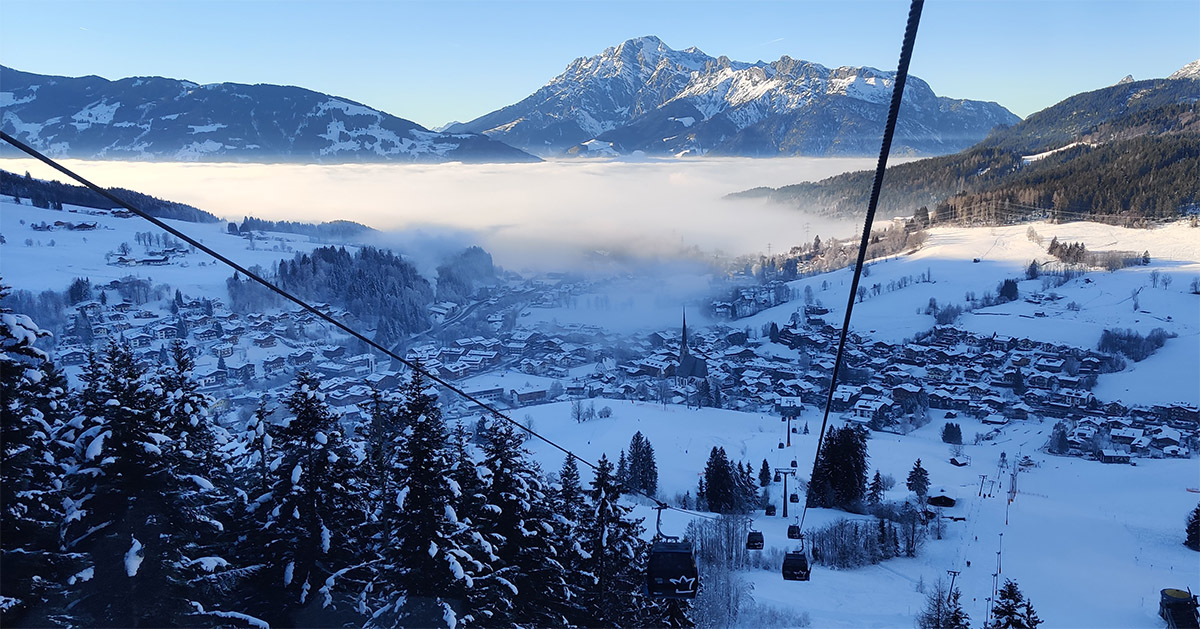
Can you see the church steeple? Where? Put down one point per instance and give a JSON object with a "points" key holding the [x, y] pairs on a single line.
{"points": [[683, 345]]}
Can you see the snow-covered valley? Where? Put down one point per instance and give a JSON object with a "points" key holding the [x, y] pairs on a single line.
{"points": [[1090, 544]]}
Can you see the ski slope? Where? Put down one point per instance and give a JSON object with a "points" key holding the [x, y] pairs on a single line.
{"points": [[1090, 544]]}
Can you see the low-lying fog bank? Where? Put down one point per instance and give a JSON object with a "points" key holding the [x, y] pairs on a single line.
{"points": [[547, 216]]}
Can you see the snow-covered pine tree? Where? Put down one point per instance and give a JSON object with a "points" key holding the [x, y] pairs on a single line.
{"points": [[875, 490], [259, 450], [33, 407], [1191, 537], [918, 480], [840, 474], [643, 470], [185, 415], [310, 518], [527, 584], [1012, 610], [943, 609], [719, 491], [764, 474], [570, 506], [467, 473], [850, 468], [957, 617], [382, 436], [424, 570], [616, 562], [622, 473], [133, 511]]}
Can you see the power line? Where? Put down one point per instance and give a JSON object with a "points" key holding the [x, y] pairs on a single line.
{"points": [[415, 366], [906, 48]]}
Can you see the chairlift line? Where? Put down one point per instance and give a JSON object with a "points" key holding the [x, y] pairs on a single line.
{"points": [[906, 49]]}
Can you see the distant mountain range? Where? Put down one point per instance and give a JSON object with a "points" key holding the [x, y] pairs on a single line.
{"points": [[1123, 154], [170, 119], [645, 96]]}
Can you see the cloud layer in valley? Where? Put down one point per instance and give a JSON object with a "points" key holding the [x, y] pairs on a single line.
{"points": [[542, 216]]}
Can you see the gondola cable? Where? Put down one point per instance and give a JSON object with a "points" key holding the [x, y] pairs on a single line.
{"points": [[906, 49]]}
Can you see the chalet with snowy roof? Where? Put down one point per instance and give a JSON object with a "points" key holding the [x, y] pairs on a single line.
{"points": [[207, 334], [301, 358], [1042, 380], [274, 365], [439, 312], [1113, 456], [1052, 365], [872, 408], [1020, 410], [212, 378], [525, 397], [938, 373], [1125, 436], [73, 357], [1073, 398], [245, 372], [330, 369]]}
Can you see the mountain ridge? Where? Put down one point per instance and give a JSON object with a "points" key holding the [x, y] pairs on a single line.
{"points": [[156, 118], [644, 96]]}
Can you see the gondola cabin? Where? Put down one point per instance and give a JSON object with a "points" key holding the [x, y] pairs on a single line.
{"points": [[793, 462], [770, 510], [795, 566], [794, 498], [793, 531], [671, 571], [754, 540], [778, 477]]}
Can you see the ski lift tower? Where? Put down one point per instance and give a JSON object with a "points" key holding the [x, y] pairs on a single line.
{"points": [[785, 472]]}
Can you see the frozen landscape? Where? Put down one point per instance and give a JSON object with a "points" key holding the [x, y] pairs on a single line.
{"points": [[1074, 530]]}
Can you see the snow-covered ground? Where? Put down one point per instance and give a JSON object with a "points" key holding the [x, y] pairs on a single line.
{"points": [[1090, 544], [1104, 298], [50, 260]]}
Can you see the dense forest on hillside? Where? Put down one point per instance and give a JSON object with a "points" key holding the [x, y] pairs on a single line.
{"points": [[458, 277], [1124, 182], [376, 286], [1137, 159], [48, 194], [333, 230], [906, 187], [1119, 107], [379, 288]]}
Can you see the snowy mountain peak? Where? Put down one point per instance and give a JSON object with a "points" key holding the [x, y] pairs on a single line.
{"points": [[634, 97], [1189, 71]]}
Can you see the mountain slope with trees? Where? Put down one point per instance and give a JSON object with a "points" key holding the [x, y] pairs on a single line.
{"points": [[1125, 154]]}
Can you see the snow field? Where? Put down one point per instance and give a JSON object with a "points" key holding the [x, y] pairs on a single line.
{"points": [[1090, 544], [81, 253]]}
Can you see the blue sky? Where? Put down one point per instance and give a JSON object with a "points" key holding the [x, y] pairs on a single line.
{"points": [[432, 62]]}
